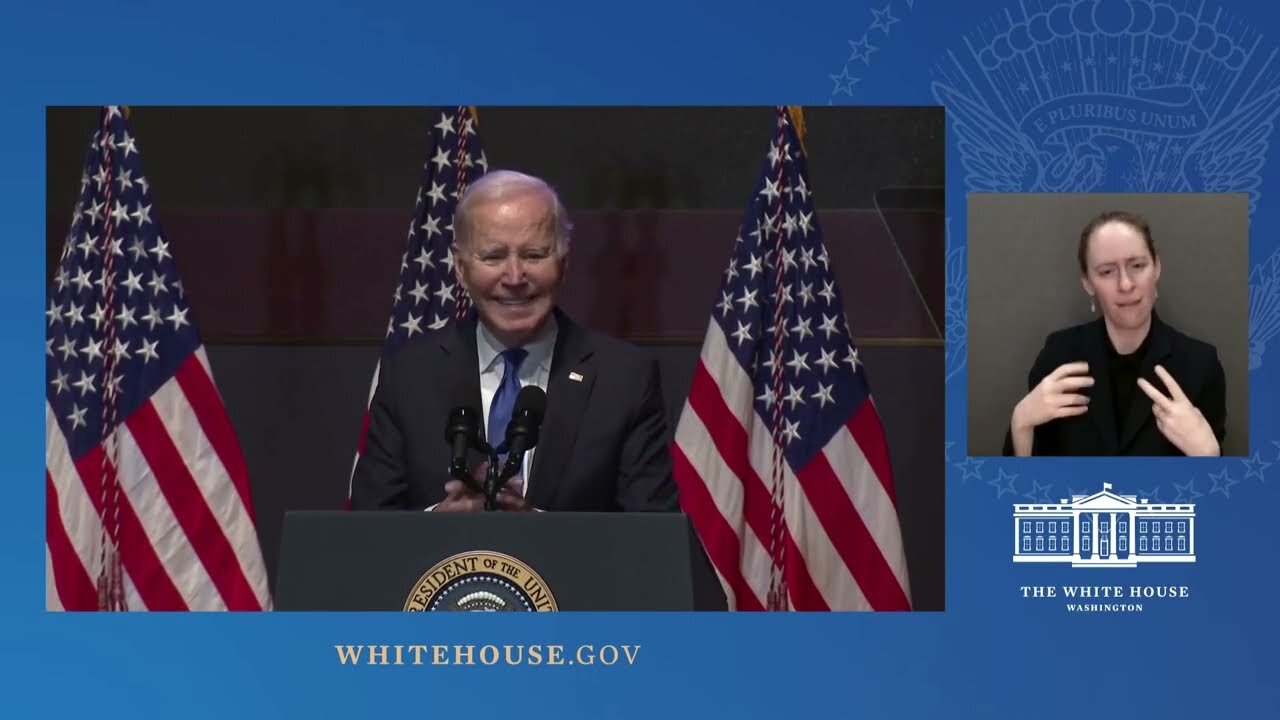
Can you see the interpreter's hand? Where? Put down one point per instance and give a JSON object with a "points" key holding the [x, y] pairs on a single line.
{"points": [[1178, 420], [464, 497], [1055, 397], [511, 498]]}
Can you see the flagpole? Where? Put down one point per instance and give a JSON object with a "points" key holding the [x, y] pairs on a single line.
{"points": [[466, 118], [777, 545], [110, 581]]}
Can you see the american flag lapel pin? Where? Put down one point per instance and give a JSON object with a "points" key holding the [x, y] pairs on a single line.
{"points": [[576, 377]]}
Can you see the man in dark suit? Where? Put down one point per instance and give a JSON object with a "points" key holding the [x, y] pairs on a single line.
{"points": [[603, 443]]}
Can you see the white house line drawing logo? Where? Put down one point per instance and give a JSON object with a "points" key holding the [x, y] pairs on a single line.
{"points": [[1104, 530]]}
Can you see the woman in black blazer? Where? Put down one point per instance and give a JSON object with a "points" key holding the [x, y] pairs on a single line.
{"points": [[1126, 383]]}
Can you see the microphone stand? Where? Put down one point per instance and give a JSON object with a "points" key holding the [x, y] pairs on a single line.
{"points": [[459, 471], [492, 482], [489, 486], [497, 479]]}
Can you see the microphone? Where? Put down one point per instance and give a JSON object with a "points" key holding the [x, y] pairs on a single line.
{"points": [[461, 433], [522, 431]]}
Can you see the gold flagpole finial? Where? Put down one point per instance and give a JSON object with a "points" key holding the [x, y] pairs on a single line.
{"points": [[475, 114]]}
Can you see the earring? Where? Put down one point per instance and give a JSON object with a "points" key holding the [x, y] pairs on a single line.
{"points": [[1092, 308]]}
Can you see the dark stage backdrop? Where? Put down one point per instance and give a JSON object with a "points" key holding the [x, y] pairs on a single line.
{"points": [[288, 223]]}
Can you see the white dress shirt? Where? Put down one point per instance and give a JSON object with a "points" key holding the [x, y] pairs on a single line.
{"points": [[535, 370]]}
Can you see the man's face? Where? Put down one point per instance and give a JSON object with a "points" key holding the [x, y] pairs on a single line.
{"points": [[509, 265]]}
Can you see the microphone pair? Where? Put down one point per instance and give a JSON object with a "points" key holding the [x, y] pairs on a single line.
{"points": [[462, 433]]}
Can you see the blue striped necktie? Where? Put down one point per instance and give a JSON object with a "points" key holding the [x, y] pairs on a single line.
{"points": [[504, 401]]}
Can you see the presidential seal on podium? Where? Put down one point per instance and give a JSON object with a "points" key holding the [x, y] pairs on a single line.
{"points": [[481, 581]]}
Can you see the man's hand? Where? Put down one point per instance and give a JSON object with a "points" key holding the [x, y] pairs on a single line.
{"points": [[464, 497], [460, 498], [511, 498]]}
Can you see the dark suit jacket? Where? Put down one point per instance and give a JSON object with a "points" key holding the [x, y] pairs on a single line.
{"points": [[1192, 363], [603, 444]]}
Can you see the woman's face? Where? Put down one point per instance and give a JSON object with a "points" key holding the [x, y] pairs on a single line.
{"points": [[1121, 275]]}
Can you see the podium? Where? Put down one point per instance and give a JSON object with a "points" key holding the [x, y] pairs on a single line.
{"points": [[494, 561]]}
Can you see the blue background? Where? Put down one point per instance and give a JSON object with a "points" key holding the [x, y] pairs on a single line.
{"points": [[991, 654]]}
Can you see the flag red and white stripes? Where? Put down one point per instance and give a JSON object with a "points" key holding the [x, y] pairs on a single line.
{"points": [[780, 420], [147, 494]]}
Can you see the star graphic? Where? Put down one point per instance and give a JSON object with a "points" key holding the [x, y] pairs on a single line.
{"points": [[1003, 483], [445, 293], [445, 126], [1187, 492], [413, 324], [76, 418], [828, 362], [127, 144], [792, 430], [179, 317], [1254, 466], [862, 50], [823, 396], [969, 467], [431, 226], [1038, 493], [1153, 494], [1222, 483], [881, 19], [829, 326], [844, 82], [441, 159], [148, 351]]}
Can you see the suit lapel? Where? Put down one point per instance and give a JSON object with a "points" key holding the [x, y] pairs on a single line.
{"points": [[1140, 408], [573, 375], [1101, 405], [461, 369]]}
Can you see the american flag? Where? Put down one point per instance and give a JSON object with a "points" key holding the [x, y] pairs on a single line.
{"points": [[147, 494], [427, 295], [779, 452]]}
